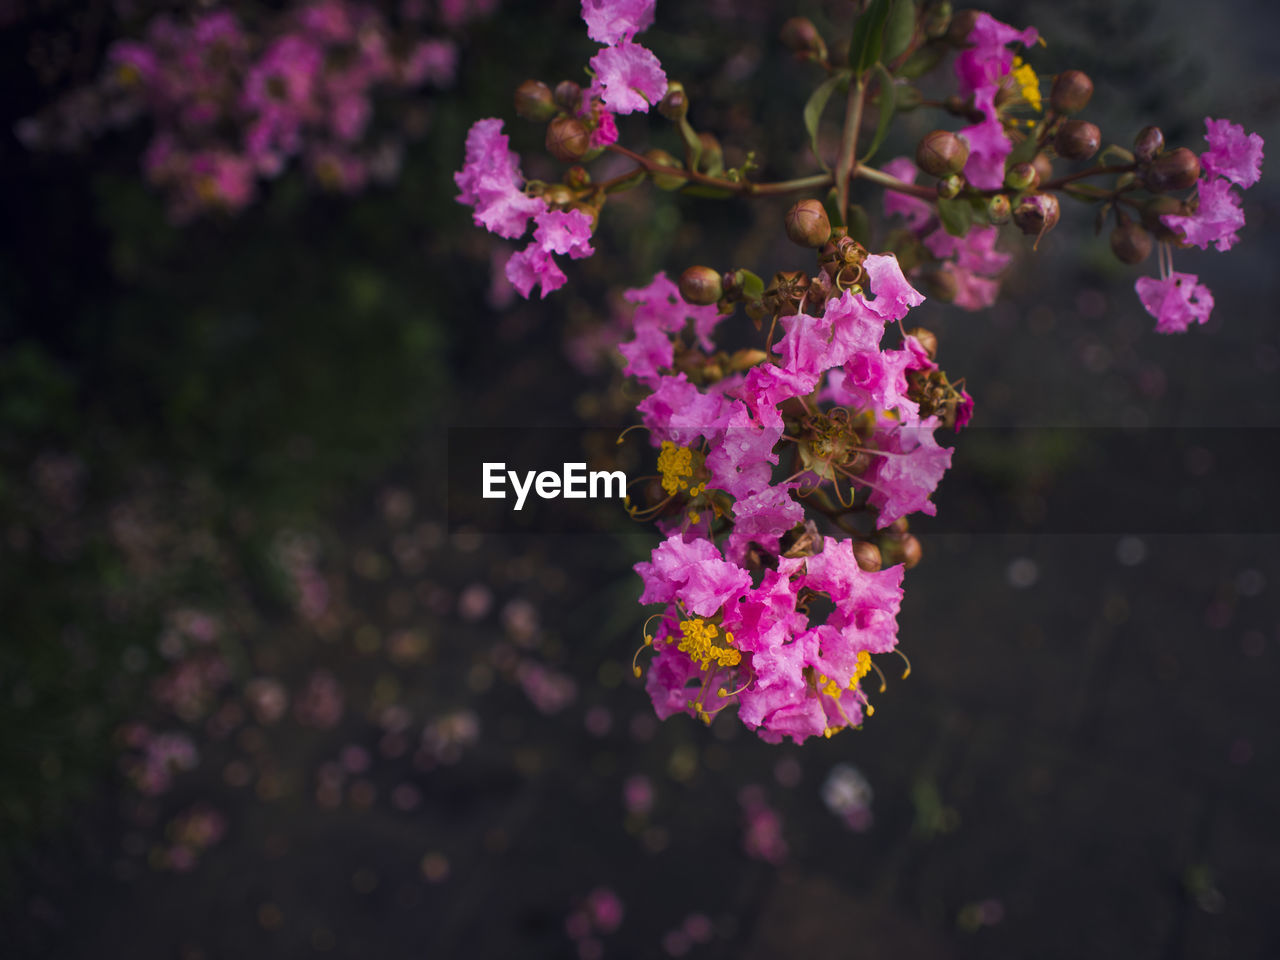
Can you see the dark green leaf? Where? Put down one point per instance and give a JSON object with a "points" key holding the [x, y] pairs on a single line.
{"points": [[888, 98], [923, 60], [692, 145], [868, 37], [832, 203], [817, 103], [956, 215], [859, 224], [899, 28]]}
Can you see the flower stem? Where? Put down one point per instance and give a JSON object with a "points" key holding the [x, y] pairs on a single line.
{"points": [[847, 162]]}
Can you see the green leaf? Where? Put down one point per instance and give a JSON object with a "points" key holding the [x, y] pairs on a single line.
{"points": [[1023, 152], [817, 103], [899, 28], [692, 144], [752, 285], [888, 100], [859, 224], [923, 60], [1116, 151], [832, 203], [956, 215], [868, 37]]}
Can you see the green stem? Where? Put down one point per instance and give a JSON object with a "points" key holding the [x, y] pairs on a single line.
{"points": [[893, 183], [847, 162], [1091, 172], [745, 187]]}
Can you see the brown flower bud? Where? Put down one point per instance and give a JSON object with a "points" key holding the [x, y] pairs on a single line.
{"points": [[1037, 213], [567, 138], [868, 556], [999, 210], [674, 105], [950, 186], [801, 36], [1158, 207], [1077, 140], [1044, 167], [568, 96], [807, 224], [1022, 176], [941, 153], [962, 24], [1175, 170], [909, 551], [1148, 142], [1130, 243], [731, 285], [664, 159], [534, 101], [700, 285], [927, 339], [1071, 91]]}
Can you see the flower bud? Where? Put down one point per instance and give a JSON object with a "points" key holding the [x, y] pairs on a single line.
{"points": [[1077, 140], [1022, 176], [534, 101], [664, 159], [557, 195], [1071, 91], [700, 285], [568, 96], [675, 104], [567, 138], [1037, 213], [937, 20], [1175, 170], [801, 36], [962, 24], [731, 285], [577, 177], [941, 153], [950, 186], [927, 339], [999, 210], [1130, 243], [1044, 167], [1154, 210], [906, 551], [868, 556], [712, 159], [1148, 142], [807, 224], [820, 288]]}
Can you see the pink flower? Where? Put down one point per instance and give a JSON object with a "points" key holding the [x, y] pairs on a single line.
{"points": [[1232, 154], [907, 471], [893, 296], [490, 181], [564, 231], [1176, 301], [988, 146], [915, 211], [1216, 220], [989, 60], [678, 411], [692, 573], [609, 21], [531, 267], [630, 76]]}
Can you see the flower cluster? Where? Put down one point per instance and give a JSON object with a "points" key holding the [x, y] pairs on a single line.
{"points": [[740, 571], [1234, 158], [231, 106], [627, 78]]}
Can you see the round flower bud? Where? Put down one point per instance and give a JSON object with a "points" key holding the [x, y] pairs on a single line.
{"points": [[941, 153], [664, 159], [807, 224], [675, 104], [868, 556], [1077, 140], [927, 339], [1037, 213], [950, 186], [801, 36], [1158, 207], [557, 195], [1148, 142], [1022, 176], [1044, 167], [700, 285], [909, 550], [962, 24], [577, 177], [1130, 243], [534, 101], [1175, 170], [999, 210], [567, 139], [1071, 91], [568, 96]]}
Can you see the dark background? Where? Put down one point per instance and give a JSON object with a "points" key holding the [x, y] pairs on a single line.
{"points": [[220, 416]]}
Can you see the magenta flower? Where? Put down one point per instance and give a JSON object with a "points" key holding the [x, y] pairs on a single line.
{"points": [[1216, 220], [694, 574], [534, 266], [1232, 154], [915, 211], [989, 59], [631, 78], [564, 231], [1176, 301], [490, 182], [609, 21], [893, 296], [989, 147], [908, 470]]}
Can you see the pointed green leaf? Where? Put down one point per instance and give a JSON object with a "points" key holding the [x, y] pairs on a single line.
{"points": [[956, 215], [832, 204], [888, 101], [752, 285], [868, 37], [817, 103], [899, 29], [859, 224], [692, 145]]}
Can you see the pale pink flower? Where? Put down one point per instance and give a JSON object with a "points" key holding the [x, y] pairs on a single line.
{"points": [[630, 76], [1176, 302]]}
